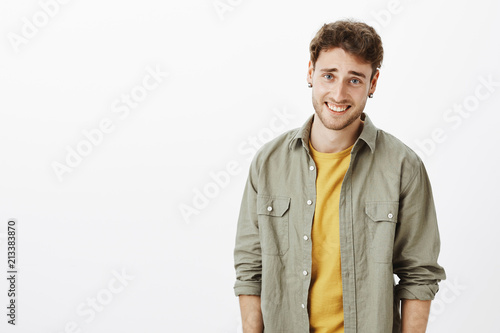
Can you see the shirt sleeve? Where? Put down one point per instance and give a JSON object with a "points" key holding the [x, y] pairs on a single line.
{"points": [[247, 251], [417, 243]]}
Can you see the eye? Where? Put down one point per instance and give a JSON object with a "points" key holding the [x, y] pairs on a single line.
{"points": [[328, 76], [355, 81]]}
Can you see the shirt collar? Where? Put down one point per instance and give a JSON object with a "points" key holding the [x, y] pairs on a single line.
{"points": [[368, 134]]}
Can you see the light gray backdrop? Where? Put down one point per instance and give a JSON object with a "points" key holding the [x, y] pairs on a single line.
{"points": [[127, 128]]}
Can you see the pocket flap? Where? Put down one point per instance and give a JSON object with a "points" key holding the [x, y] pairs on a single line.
{"points": [[383, 211], [272, 205]]}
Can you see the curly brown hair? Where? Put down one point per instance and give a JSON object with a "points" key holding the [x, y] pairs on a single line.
{"points": [[356, 38]]}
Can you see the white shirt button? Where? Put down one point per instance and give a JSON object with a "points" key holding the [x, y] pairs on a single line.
{"points": [[311, 167], [305, 237], [309, 202], [390, 216], [303, 306], [304, 272], [269, 208]]}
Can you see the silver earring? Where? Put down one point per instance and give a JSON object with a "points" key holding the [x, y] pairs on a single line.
{"points": [[309, 84], [371, 95]]}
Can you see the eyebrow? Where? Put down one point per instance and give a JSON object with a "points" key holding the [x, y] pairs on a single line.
{"points": [[350, 72]]}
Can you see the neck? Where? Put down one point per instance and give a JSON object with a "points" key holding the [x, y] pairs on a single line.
{"points": [[326, 140]]}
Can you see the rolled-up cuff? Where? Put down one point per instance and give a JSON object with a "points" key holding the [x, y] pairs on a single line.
{"points": [[421, 292], [247, 288]]}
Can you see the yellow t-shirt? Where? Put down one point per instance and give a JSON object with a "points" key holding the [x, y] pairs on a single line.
{"points": [[325, 306]]}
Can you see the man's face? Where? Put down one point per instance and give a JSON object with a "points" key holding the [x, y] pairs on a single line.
{"points": [[341, 85]]}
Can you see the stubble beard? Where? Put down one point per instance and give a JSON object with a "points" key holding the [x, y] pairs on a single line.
{"points": [[337, 124]]}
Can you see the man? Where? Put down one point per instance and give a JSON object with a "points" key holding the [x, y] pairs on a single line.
{"points": [[332, 210]]}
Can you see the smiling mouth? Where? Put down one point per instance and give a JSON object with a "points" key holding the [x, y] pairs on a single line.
{"points": [[337, 107]]}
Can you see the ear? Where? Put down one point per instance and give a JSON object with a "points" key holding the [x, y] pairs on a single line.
{"points": [[310, 72], [373, 84]]}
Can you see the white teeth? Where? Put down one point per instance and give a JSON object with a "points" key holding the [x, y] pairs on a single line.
{"points": [[338, 109]]}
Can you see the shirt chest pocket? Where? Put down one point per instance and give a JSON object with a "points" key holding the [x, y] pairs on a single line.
{"points": [[273, 213], [381, 220]]}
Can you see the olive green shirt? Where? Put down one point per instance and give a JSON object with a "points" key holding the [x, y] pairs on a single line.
{"points": [[387, 226]]}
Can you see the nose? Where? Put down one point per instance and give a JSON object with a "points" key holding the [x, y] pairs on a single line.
{"points": [[339, 91]]}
